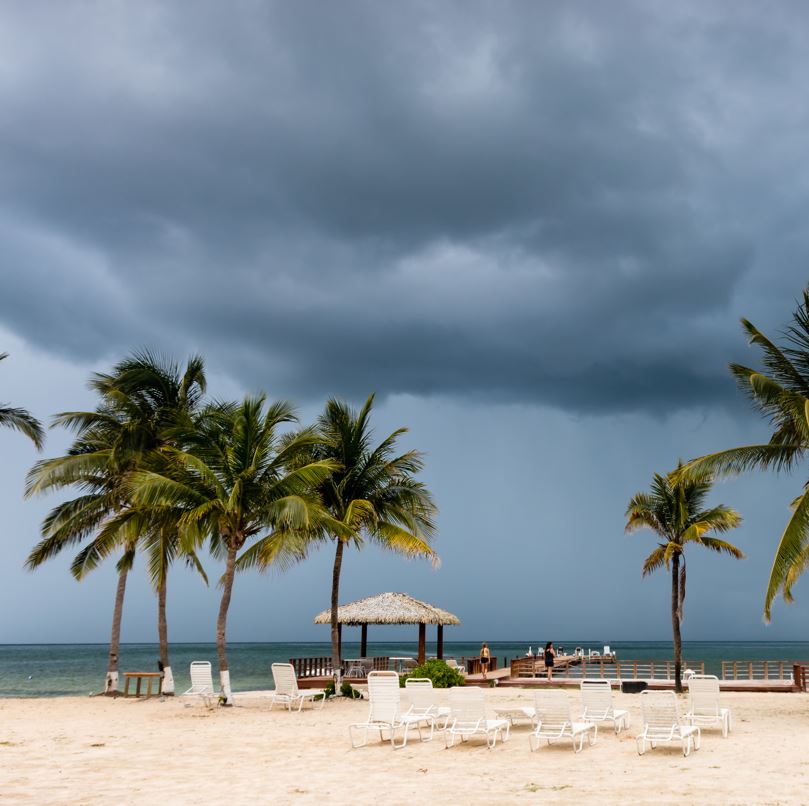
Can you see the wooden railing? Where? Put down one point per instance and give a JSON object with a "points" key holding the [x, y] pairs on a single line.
{"points": [[800, 674], [323, 667], [312, 667], [613, 669], [472, 665], [757, 669]]}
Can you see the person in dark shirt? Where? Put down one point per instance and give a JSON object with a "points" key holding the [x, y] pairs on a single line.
{"points": [[550, 654]]}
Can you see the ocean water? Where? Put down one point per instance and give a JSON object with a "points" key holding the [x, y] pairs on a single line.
{"points": [[48, 670]]}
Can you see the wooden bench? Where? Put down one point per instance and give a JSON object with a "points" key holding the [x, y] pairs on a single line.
{"points": [[140, 677]]}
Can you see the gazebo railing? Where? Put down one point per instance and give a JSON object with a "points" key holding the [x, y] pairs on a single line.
{"points": [[312, 667]]}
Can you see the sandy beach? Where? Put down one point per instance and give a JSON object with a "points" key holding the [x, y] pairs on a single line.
{"points": [[102, 751]]}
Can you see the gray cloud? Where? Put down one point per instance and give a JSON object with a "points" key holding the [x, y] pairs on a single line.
{"points": [[568, 204]]}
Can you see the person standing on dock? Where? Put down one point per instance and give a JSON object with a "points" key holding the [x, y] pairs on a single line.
{"points": [[485, 658], [550, 654]]}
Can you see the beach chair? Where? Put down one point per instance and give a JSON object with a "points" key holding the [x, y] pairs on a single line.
{"points": [[287, 691], [422, 698], [453, 664], [555, 722], [596, 698], [385, 712], [704, 708], [662, 723], [202, 683], [468, 718]]}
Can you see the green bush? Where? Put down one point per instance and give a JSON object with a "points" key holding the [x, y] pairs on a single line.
{"points": [[329, 689], [437, 671], [347, 691]]}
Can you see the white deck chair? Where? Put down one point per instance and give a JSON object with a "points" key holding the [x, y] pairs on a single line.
{"points": [[555, 722], [704, 708], [287, 691], [202, 683], [662, 723], [468, 718], [596, 698], [423, 701], [453, 664], [385, 713]]}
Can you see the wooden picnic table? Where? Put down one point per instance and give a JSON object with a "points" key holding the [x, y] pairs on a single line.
{"points": [[139, 677]]}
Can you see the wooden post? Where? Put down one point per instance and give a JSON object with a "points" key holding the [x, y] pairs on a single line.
{"points": [[439, 640], [364, 642], [422, 643]]}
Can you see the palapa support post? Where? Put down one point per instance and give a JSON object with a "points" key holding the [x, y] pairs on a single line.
{"points": [[422, 643], [439, 640], [364, 641]]}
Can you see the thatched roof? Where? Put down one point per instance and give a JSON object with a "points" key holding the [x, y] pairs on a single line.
{"points": [[389, 608]]}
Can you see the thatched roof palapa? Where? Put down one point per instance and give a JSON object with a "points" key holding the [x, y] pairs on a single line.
{"points": [[389, 608]]}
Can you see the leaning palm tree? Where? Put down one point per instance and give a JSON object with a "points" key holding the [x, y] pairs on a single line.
{"points": [[675, 510], [145, 403], [371, 495], [22, 421], [780, 391], [233, 486]]}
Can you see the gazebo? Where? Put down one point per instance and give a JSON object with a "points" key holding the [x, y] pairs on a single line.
{"points": [[392, 608]]}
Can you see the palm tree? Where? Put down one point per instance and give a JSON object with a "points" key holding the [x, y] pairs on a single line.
{"points": [[780, 391], [232, 484], [146, 403], [371, 495], [22, 421], [674, 510]]}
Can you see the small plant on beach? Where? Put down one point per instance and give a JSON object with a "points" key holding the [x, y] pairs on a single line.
{"points": [[436, 670], [675, 510], [780, 391], [347, 690]]}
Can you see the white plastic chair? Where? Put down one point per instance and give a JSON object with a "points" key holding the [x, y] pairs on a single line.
{"points": [[422, 698], [385, 712], [555, 722], [596, 697], [202, 683], [468, 718], [662, 723], [704, 708], [287, 691]]}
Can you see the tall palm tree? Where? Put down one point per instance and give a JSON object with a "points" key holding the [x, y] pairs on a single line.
{"points": [[371, 495], [675, 510], [780, 391], [233, 485], [145, 403], [22, 421]]}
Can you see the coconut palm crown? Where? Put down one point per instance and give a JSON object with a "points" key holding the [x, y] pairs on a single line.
{"points": [[22, 421], [780, 391], [674, 509]]}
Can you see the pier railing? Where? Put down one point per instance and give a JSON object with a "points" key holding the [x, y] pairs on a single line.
{"points": [[800, 674], [757, 669], [612, 669]]}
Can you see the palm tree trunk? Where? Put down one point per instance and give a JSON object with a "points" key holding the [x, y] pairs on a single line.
{"points": [[221, 622], [163, 637], [335, 599], [111, 684], [675, 623]]}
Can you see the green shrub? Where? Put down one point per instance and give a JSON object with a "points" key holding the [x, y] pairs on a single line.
{"points": [[329, 689], [437, 671], [347, 691]]}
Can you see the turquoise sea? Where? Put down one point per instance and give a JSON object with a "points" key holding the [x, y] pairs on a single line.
{"points": [[48, 670]]}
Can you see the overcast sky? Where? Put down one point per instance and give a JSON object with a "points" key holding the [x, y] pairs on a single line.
{"points": [[530, 227]]}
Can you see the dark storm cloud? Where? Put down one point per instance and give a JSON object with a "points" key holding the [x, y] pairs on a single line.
{"points": [[564, 203]]}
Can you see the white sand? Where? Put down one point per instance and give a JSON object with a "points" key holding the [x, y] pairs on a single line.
{"points": [[101, 751]]}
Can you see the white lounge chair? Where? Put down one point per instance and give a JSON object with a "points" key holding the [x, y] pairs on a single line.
{"points": [[202, 683], [422, 698], [385, 712], [555, 722], [287, 691], [468, 718], [704, 708], [453, 664], [596, 698], [662, 723]]}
